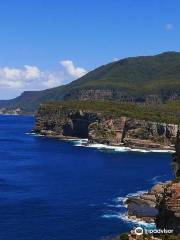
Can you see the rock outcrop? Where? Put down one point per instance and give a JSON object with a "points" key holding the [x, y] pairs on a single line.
{"points": [[108, 94], [64, 122], [102, 127], [176, 156], [162, 203], [143, 207], [169, 208], [169, 204]]}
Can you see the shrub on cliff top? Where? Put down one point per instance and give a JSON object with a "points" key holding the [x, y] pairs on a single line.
{"points": [[168, 113]]}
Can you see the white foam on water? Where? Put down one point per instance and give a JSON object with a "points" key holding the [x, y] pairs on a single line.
{"points": [[120, 203], [80, 142], [136, 221], [138, 193], [120, 199], [34, 134], [133, 221], [115, 205], [120, 148]]}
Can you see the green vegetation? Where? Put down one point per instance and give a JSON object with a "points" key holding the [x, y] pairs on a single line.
{"points": [[168, 113], [135, 78]]}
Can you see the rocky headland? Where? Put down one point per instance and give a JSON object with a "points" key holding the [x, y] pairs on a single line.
{"points": [[16, 111], [104, 127], [161, 204]]}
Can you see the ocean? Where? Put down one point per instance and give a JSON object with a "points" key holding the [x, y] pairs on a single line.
{"points": [[62, 190]]}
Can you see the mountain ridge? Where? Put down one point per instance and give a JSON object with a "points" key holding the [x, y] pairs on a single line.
{"points": [[143, 79]]}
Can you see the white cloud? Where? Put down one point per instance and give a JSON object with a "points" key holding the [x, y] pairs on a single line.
{"points": [[52, 79], [169, 26], [16, 80], [10, 73], [32, 72], [72, 69]]}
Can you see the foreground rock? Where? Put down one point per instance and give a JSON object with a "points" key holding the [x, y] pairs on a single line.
{"points": [[176, 157], [169, 208], [162, 203], [144, 207], [169, 205], [101, 127]]}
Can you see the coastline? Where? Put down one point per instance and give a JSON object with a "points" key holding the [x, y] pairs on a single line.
{"points": [[84, 142]]}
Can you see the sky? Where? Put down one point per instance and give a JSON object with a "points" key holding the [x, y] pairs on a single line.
{"points": [[47, 43]]}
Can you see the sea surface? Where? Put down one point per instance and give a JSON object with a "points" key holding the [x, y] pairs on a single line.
{"points": [[51, 189]]}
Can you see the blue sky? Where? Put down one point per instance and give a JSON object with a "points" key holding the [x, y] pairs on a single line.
{"points": [[45, 43]]}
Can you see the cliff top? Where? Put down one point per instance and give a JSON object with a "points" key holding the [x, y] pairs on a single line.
{"points": [[167, 113]]}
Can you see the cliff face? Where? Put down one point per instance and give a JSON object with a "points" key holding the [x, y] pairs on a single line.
{"points": [[176, 156], [104, 128], [63, 122], [169, 205], [162, 203], [112, 94], [169, 208]]}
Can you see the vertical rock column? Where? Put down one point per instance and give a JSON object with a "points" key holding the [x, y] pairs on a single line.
{"points": [[120, 130]]}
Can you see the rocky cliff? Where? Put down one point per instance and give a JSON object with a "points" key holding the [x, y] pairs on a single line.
{"points": [[162, 203], [169, 204], [169, 208], [176, 156], [105, 128]]}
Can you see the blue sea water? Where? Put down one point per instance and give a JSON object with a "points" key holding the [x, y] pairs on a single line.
{"points": [[51, 189]]}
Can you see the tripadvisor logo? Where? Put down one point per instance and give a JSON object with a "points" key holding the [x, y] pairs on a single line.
{"points": [[140, 231]]}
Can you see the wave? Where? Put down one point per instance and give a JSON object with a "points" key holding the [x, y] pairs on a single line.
{"points": [[120, 148], [132, 221], [34, 134], [119, 202], [129, 220], [78, 142], [136, 194], [136, 221]]}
